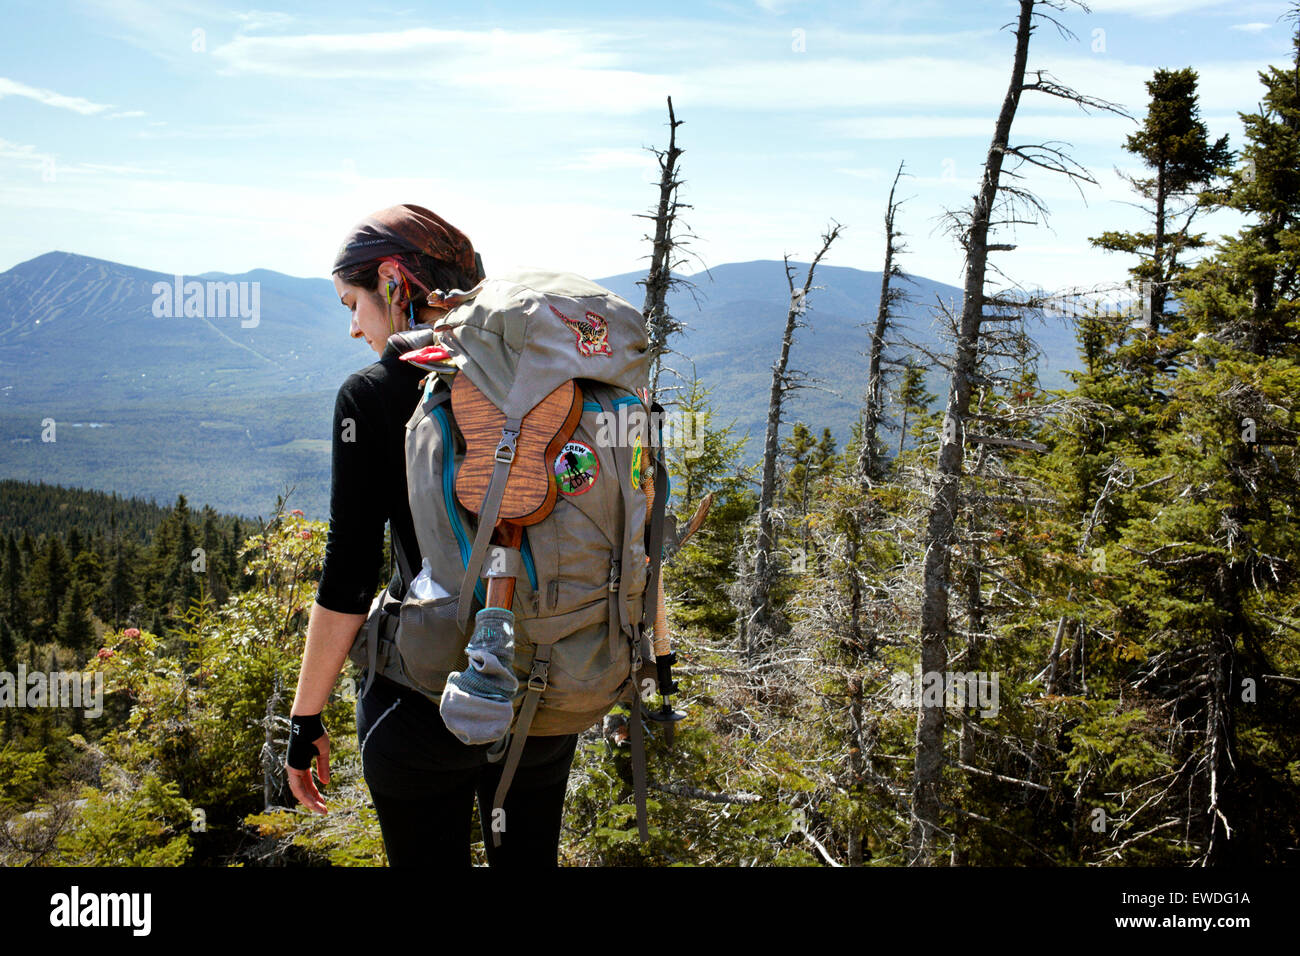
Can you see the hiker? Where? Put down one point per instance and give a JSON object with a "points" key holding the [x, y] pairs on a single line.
{"points": [[422, 779]]}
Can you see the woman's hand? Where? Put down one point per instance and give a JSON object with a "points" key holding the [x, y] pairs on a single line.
{"points": [[308, 739], [329, 635]]}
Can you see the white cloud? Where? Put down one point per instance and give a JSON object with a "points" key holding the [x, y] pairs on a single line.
{"points": [[261, 19], [1251, 27], [126, 114], [583, 71], [1153, 8], [23, 153], [29, 157], [50, 98], [410, 54]]}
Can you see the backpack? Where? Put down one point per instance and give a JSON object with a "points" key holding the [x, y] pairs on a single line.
{"points": [[585, 576]]}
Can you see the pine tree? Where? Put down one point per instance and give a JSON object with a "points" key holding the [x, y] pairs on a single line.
{"points": [[28, 548], [75, 630], [797, 453], [186, 580], [8, 645], [913, 399], [1249, 289], [697, 577], [214, 544], [12, 588], [48, 580], [119, 591], [1174, 145], [230, 559], [74, 545], [88, 569]]}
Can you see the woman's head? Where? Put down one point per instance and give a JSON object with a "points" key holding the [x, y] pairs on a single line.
{"points": [[391, 260]]}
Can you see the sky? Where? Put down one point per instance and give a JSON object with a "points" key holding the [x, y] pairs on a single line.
{"points": [[194, 137]]}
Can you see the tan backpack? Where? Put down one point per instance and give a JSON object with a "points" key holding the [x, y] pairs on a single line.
{"points": [[582, 573]]}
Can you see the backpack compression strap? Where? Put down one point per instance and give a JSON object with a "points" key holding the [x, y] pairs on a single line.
{"points": [[487, 519], [537, 681]]}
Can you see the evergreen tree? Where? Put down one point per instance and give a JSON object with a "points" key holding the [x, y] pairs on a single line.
{"points": [[1174, 144], [12, 587], [8, 645], [187, 578], [798, 468], [230, 559], [89, 570], [119, 591], [74, 544], [213, 545], [75, 630], [912, 397], [1248, 291], [698, 576], [48, 580]]}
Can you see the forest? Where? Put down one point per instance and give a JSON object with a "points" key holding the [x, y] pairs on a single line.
{"points": [[1004, 625]]}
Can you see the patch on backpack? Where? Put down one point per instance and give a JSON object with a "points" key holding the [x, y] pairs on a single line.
{"points": [[576, 468], [636, 463], [592, 332]]}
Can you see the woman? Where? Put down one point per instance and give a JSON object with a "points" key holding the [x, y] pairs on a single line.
{"points": [[422, 779]]}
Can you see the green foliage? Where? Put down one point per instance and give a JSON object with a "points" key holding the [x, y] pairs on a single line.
{"points": [[691, 826], [20, 776], [145, 825], [696, 579]]}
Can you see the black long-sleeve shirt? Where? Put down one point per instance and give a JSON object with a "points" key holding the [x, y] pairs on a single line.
{"points": [[368, 483]]}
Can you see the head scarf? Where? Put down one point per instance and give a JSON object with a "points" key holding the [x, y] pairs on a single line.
{"points": [[406, 228]]}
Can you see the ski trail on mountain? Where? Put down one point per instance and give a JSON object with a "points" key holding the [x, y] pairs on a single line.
{"points": [[241, 345]]}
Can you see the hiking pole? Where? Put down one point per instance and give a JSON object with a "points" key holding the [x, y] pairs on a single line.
{"points": [[665, 656]]}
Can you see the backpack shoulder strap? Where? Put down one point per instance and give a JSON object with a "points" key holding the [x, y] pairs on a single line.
{"points": [[431, 399]]}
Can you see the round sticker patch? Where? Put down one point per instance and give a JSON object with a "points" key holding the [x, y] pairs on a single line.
{"points": [[636, 463], [576, 468]]}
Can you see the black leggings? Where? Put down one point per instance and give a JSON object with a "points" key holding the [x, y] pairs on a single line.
{"points": [[423, 782]]}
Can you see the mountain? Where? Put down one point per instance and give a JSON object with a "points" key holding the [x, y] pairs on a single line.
{"points": [[735, 331], [231, 409], [70, 320]]}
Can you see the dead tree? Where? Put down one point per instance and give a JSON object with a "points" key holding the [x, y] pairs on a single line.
{"points": [[660, 323], [890, 295], [757, 621], [995, 205]]}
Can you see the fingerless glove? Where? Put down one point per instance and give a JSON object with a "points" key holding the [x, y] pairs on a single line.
{"points": [[303, 730]]}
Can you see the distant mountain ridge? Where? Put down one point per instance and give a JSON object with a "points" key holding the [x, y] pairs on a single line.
{"points": [[229, 412]]}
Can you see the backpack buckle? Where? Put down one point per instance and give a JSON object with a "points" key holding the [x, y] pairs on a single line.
{"points": [[505, 452], [614, 575], [537, 676]]}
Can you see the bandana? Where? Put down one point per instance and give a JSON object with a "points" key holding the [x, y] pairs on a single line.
{"points": [[406, 228]]}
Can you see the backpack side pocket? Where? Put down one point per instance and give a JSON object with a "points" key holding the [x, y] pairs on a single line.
{"points": [[429, 645]]}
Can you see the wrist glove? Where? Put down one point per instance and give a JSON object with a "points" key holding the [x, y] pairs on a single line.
{"points": [[303, 730]]}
